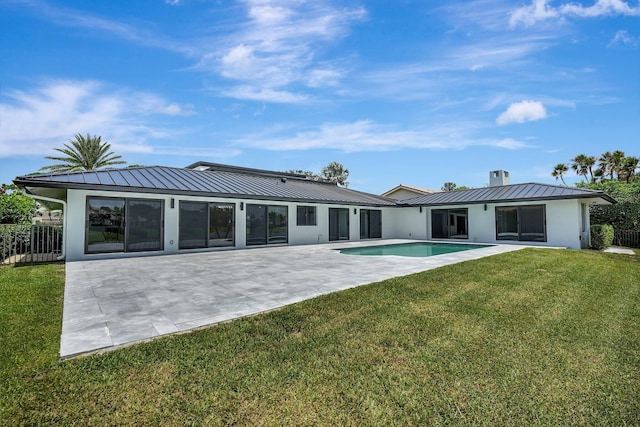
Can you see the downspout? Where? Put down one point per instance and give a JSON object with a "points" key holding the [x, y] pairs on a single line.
{"points": [[64, 221]]}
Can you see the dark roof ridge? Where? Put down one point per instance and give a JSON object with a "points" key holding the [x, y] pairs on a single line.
{"points": [[241, 169]]}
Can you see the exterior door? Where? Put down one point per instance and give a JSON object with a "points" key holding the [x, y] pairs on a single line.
{"points": [[338, 224], [584, 226]]}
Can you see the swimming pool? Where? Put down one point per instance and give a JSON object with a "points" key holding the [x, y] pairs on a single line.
{"points": [[414, 249]]}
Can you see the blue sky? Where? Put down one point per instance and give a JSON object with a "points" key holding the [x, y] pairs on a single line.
{"points": [[414, 92]]}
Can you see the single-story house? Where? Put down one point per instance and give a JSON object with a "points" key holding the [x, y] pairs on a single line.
{"points": [[208, 206]]}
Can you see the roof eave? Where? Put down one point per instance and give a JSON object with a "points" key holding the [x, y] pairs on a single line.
{"points": [[30, 185], [605, 197]]}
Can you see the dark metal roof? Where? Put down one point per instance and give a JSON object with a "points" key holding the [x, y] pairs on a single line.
{"points": [[218, 181], [244, 183], [505, 193]]}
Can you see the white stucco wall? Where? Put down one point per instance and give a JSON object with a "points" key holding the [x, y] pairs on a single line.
{"points": [[564, 224], [297, 235]]}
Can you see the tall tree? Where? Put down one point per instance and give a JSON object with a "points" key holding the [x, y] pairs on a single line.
{"points": [[606, 164], [335, 172], [617, 162], [84, 153], [449, 186], [558, 172], [628, 168], [583, 165]]}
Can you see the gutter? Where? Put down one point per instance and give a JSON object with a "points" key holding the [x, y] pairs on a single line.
{"points": [[63, 253]]}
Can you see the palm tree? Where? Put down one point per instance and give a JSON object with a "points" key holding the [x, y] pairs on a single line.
{"points": [[628, 168], [558, 171], [617, 162], [606, 164], [84, 153], [583, 165], [336, 173]]}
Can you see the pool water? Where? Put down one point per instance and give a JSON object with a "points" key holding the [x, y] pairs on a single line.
{"points": [[417, 249]]}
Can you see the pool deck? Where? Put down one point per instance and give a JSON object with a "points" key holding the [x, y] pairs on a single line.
{"points": [[116, 302]]}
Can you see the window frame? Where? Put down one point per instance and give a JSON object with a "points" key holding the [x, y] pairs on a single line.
{"points": [[308, 212], [206, 231], [368, 228], [451, 215], [269, 225], [519, 219], [126, 228]]}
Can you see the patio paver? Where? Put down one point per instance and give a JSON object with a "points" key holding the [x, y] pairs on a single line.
{"points": [[114, 302]]}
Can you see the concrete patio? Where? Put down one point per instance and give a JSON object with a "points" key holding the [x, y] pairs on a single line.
{"points": [[110, 303]]}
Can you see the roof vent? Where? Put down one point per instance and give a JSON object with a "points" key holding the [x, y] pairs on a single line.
{"points": [[498, 178], [283, 179]]}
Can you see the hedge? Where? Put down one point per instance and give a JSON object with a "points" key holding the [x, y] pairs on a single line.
{"points": [[601, 236]]}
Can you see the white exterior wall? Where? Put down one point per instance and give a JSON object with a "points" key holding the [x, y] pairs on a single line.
{"points": [[564, 225], [297, 235], [410, 223]]}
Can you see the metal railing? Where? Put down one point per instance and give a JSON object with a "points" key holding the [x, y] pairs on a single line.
{"points": [[30, 243], [629, 238]]}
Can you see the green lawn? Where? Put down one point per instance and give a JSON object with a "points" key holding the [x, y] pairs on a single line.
{"points": [[542, 337]]}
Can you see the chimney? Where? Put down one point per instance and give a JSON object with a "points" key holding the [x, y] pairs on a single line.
{"points": [[498, 178]]}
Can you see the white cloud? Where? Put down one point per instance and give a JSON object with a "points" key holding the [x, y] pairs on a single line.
{"points": [[510, 144], [366, 135], [253, 93], [524, 111], [540, 10], [280, 45], [623, 37], [601, 8], [173, 2], [34, 122]]}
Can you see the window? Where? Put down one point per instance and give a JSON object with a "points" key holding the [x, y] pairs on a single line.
{"points": [[370, 224], [306, 215], [123, 225], [206, 225], [449, 224], [266, 224], [522, 223]]}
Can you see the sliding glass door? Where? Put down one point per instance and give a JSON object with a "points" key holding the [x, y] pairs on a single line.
{"points": [[370, 224], [338, 224], [206, 225], [123, 225], [450, 224], [522, 223], [267, 224]]}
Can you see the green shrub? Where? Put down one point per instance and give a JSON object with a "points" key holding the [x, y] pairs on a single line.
{"points": [[624, 215], [601, 236]]}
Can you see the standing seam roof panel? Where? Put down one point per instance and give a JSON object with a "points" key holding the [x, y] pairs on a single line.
{"points": [[156, 179], [182, 180]]}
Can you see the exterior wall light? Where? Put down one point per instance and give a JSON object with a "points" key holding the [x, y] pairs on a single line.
{"points": [[241, 206]]}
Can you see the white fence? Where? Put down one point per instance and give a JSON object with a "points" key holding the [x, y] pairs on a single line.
{"points": [[30, 243]]}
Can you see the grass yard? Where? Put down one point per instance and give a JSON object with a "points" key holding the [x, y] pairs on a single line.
{"points": [[542, 337]]}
